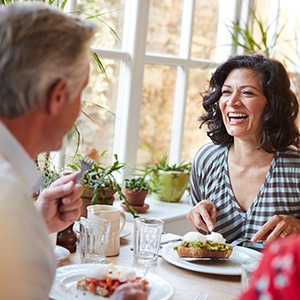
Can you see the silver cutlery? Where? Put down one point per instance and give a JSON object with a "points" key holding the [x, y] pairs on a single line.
{"points": [[202, 296], [85, 164], [171, 241], [242, 240]]}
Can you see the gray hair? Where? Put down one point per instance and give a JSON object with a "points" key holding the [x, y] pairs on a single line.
{"points": [[39, 44]]}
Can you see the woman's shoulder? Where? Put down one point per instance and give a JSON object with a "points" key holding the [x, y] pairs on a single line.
{"points": [[292, 153], [210, 148], [210, 151]]}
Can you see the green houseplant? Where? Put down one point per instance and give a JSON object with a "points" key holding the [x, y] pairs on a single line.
{"points": [[261, 41], [136, 190], [168, 182], [100, 184]]}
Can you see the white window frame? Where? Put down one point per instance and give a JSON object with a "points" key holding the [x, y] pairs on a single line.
{"points": [[133, 59]]}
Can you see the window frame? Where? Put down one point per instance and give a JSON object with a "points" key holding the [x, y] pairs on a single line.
{"points": [[133, 58]]}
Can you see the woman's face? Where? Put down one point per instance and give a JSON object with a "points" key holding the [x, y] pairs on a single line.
{"points": [[242, 104]]}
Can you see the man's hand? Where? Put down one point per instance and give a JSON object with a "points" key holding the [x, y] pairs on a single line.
{"points": [[130, 291], [60, 203], [203, 215]]}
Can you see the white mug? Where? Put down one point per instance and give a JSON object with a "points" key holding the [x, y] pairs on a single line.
{"points": [[117, 220]]}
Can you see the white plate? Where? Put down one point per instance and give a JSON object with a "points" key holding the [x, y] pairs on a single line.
{"points": [[61, 253], [64, 286], [125, 232], [230, 266]]}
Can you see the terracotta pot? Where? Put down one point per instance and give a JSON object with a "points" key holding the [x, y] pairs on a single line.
{"points": [[135, 198], [108, 199], [89, 192]]}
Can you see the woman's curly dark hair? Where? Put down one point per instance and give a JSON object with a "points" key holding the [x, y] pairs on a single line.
{"points": [[279, 129]]}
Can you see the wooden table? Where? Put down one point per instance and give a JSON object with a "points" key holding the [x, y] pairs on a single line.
{"points": [[186, 283]]}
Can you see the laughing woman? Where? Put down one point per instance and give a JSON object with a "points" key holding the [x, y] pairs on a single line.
{"points": [[246, 183]]}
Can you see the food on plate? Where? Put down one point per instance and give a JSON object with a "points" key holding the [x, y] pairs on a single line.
{"points": [[197, 245], [105, 279]]}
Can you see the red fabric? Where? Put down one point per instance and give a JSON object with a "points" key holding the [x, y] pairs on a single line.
{"points": [[278, 274]]}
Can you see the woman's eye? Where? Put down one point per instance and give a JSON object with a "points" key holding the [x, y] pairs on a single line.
{"points": [[226, 92], [248, 93]]}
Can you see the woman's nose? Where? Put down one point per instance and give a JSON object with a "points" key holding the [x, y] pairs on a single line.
{"points": [[233, 100]]}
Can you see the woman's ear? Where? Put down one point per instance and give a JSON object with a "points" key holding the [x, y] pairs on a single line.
{"points": [[56, 96]]}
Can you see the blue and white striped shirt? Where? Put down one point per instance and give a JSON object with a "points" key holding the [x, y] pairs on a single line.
{"points": [[279, 194]]}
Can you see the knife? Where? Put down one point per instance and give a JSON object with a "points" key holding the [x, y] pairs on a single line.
{"points": [[171, 241]]}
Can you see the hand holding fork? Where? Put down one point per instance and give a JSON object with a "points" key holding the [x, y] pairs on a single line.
{"points": [[86, 164]]}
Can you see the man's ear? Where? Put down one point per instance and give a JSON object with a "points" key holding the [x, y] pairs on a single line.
{"points": [[56, 96]]}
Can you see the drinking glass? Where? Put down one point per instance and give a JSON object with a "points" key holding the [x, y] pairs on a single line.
{"points": [[94, 236], [248, 267], [147, 237]]}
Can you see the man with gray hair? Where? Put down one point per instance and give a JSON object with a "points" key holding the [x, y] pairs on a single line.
{"points": [[44, 67]]}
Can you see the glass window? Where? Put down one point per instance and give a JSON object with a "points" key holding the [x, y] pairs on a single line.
{"points": [[193, 136], [142, 141], [164, 26], [156, 114], [96, 124], [109, 16], [205, 29]]}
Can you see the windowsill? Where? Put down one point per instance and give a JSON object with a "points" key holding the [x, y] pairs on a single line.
{"points": [[173, 214]]}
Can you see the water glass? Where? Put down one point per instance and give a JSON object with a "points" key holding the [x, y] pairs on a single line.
{"points": [[147, 237], [248, 268], [94, 236]]}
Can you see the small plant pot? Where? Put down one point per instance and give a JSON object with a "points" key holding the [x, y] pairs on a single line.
{"points": [[170, 186], [135, 198], [89, 192]]}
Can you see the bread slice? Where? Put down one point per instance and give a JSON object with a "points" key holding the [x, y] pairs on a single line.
{"points": [[193, 252]]}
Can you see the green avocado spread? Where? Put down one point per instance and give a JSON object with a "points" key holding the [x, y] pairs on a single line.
{"points": [[208, 245]]}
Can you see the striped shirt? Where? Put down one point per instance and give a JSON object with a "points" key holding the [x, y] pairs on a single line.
{"points": [[279, 194]]}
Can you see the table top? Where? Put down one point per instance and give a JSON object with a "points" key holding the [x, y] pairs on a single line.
{"points": [[187, 284]]}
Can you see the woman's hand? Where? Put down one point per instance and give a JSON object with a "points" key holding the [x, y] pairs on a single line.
{"points": [[278, 226], [203, 215], [60, 203]]}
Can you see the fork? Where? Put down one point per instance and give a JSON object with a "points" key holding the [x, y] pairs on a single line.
{"points": [[241, 240], [202, 296], [85, 164]]}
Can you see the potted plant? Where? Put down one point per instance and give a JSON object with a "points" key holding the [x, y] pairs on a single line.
{"points": [[100, 184], [136, 190], [168, 182]]}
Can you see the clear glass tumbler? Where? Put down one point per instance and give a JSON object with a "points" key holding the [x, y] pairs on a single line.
{"points": [[94, 236], [147, 237]]}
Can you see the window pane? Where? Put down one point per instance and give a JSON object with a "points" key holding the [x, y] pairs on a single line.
{"points": [[164, 26], [96, 124], [194, 137], [205, 29], [156, 115], [107, 14]]}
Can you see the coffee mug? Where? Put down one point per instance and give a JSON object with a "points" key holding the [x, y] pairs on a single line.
{"points": [[117, 220]]}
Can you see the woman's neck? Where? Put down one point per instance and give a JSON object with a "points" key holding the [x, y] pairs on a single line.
{"points": [[247, 154]]}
